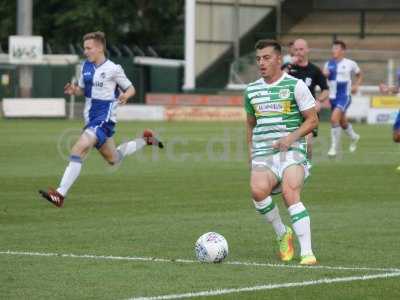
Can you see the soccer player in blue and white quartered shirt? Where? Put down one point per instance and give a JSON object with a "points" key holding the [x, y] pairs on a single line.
{"points": [[105, 86], [339, 71]]}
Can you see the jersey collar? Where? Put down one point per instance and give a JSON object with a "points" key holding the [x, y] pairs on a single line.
{"points": [[275, 82]]}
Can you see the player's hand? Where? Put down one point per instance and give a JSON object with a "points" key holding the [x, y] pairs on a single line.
{"points": [[317, 106], [384, 88], [354, 89], [283, 144], [123, 99], [70, 89]]}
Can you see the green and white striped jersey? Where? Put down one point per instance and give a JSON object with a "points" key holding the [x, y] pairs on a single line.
{"points": [[277, 108]]}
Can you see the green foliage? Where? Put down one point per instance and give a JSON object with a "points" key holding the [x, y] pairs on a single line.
{"points": [[144, 23], [8, 24]]}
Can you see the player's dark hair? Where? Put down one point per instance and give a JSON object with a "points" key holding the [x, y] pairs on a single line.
{"points": [[97, 36], [340, 43], [261, 44]]}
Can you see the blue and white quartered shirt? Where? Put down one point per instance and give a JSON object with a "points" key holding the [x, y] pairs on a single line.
{"points": [[339, 79], [101, 86]]}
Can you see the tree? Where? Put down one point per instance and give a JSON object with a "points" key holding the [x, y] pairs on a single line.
{"points": [[156, 23]]}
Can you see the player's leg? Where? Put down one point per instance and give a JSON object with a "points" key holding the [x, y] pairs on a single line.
{"points": [[113, 154], [262, 182], [80, 149], [109, 151], [396, 136], [336, 131], [396, 129], [348, 129], [396, 133], [292, 183], [343, 105], [309, 140]]}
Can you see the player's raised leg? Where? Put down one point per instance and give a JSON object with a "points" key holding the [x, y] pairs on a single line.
{"points": [[262, 182], [292, 183], [114, 155], [85, 142]]}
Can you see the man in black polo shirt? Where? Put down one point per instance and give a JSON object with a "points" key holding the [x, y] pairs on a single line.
{"points": [[312, 76]]}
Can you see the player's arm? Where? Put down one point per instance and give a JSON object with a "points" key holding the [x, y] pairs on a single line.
{"points": [[357, 83], [321, 82], [125, 84], [386, 89], [72, 89], [128, 93], [75, 88], [251, 123], [310, 122], [325, 70], [359, 77], [306, 103]]}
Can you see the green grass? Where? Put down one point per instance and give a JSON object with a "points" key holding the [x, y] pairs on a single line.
{"points": [[156, 204]]}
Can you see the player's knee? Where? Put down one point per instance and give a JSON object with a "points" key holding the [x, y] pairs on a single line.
{"points": [[290, 194], [259, 194], [335, 121], [111, 162], [396, 137], [78, 150]]}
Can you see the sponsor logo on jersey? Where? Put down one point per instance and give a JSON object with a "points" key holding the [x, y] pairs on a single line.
{"points": [[273, 108], [308, 81], [98, 83], [284, 93]]}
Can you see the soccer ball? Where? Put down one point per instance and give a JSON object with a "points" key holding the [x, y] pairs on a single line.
{"points": [[211, 247]]}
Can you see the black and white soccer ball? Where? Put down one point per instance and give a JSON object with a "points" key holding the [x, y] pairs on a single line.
{"points": [[211, 247]]}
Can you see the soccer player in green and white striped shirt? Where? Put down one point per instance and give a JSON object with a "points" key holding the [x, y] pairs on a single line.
{"points": [[280, 113]]}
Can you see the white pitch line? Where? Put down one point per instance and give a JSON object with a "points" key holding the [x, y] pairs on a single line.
{"points": [[268, 287], [189, 261]]}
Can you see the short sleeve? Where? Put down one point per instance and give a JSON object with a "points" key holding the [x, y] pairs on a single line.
{"points": [[81, 83], [120, 78], [321, 80], [325, 69], [247, 105], [355, 68], [303, 96]]}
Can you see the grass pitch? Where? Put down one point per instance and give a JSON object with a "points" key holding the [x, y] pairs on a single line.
{"points": [[117, 221]]}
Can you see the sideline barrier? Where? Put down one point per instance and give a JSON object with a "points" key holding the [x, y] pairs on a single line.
{"points": [[179, 113], [194, 99], [34, 107], [199, 113], [131, 112]]}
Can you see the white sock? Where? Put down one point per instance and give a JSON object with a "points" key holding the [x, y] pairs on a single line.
{"points": [[71, 173], [335, 136], [350, 132], [270, 211], [301, 226], [130, 147]]}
